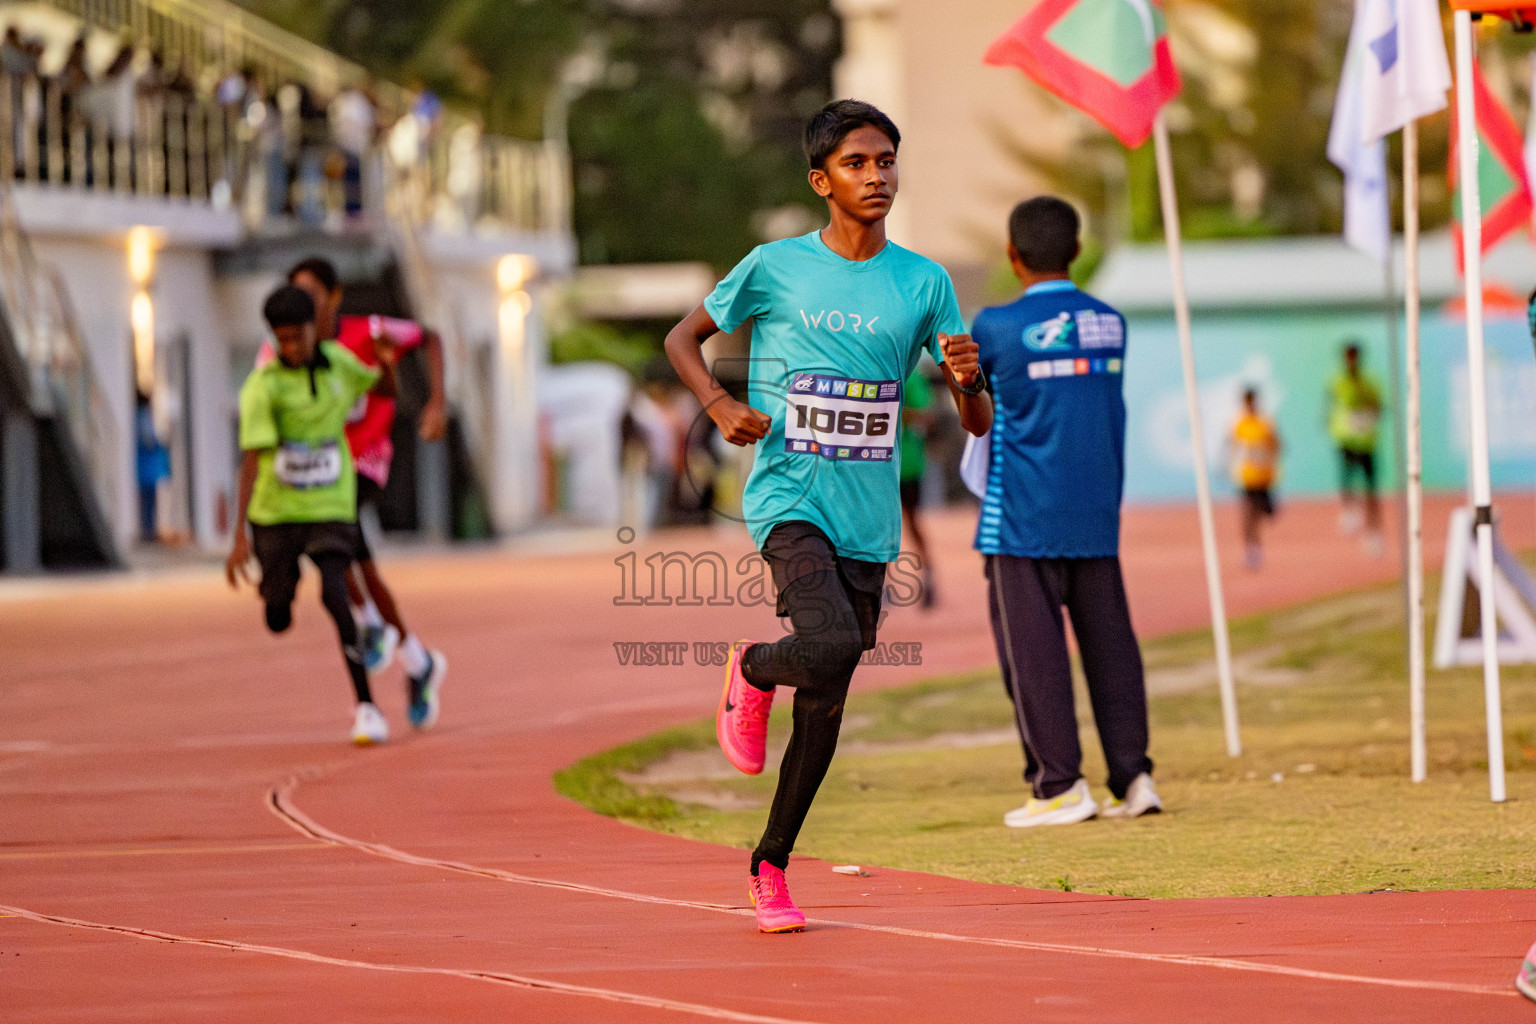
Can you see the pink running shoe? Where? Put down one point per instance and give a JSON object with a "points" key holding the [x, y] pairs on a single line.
{"points": [[776, 912], [1525, 981], [741, 724]]}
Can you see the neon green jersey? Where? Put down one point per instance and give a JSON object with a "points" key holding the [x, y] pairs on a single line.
{"points": [[916, 395], [1356, 412], [297, 420]]}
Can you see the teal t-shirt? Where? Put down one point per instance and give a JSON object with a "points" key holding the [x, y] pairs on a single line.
{"points": [[832, 341]]}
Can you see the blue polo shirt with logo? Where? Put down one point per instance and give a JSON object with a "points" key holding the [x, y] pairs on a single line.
{"points": [[832, 341], [1055, 358]]}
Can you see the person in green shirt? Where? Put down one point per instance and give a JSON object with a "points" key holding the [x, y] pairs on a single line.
{"points": [[298, 490], [916, 422], [1354, 413]]}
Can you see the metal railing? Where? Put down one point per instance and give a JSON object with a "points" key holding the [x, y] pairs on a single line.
{"points": [[222, 35], [185, 146], [62, 383]]}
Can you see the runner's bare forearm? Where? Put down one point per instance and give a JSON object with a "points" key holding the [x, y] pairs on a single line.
{"points": [[739, 423], [388, 384], [432, 347], [684, 351], [975, 410], [249, 461]]}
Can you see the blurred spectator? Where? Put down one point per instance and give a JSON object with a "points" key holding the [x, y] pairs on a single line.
{"points": [[660, 429], [153, 466], [235, 89], [352, 128], [117, 87], [463, 183], [154, 79], [1255, 457], [1354, 413], [15, 58], [314, 143], [916, 425]]}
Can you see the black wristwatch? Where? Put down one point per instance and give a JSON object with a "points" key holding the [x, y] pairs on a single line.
{"points": [[976, 386]]}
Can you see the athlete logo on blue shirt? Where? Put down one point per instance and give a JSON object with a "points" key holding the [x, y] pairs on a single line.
{"points": [[1051, 334]]}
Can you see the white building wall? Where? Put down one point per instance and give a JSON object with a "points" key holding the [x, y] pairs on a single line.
{"points": [[502, 350], [95, 276]]}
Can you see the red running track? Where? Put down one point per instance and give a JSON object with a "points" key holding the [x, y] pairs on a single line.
{"points": [[184, 835]]}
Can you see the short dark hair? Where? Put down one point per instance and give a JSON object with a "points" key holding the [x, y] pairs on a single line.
{"points": [[289, 307], [830, 125], [1044, 231], [320, 268], [1250, 394], [1352, 348]]}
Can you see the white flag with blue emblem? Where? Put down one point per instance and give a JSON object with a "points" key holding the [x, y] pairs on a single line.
{"points": [[1367, 217], [1407, 73]]}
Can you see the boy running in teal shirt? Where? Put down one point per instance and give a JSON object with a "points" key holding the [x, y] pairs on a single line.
{"points": [[298, 490], [839, 318]]}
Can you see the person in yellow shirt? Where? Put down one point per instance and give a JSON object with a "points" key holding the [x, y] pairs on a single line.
{"points": [[1255, 459]]}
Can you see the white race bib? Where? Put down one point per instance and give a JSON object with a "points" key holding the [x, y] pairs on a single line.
{"points": [[1363, 421], [840, 418], [305, 466]]}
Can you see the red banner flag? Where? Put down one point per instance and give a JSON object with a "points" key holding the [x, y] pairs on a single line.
{"points": [[1502, 188], [1108, 58]]}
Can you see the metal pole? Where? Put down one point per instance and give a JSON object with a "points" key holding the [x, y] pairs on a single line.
{"points": [[1197, 435], [1415, 454], [1477, 386]]}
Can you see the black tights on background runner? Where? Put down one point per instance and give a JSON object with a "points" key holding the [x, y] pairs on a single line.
{"points": [[331, 547], [833, 604]]}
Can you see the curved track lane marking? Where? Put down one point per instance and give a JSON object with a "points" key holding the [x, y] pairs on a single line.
{"points": [[280, 803], [494, 977]]}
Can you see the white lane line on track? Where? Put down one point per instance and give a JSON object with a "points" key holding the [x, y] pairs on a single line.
{"points": [[494, 977], [150, 851], [280, 803]]}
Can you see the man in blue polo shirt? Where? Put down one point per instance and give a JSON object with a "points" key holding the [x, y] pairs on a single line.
{"points": [[1050, 524]]}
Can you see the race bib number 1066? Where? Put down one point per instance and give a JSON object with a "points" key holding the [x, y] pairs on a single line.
{"points": [[839, 418]]}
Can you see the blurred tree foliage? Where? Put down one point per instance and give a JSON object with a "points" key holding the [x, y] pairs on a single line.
{"points": [[683, 115], [688, 147]]}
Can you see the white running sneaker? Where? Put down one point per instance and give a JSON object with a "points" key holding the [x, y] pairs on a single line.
{"points": [[1075, 805], [1140, 798], [369, 726]]}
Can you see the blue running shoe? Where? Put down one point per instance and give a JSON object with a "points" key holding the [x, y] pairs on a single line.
{"points": [[426, 691], [379, 643]]}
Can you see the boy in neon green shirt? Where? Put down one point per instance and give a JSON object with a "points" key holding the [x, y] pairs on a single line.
{"points": [[298, 490], [1354, 413]]}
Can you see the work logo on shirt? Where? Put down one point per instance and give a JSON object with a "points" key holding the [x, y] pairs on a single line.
{"points": [[838, 418], [1056, 333]]}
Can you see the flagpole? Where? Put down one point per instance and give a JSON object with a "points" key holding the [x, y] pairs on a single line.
{"points": [[1171, 232], [1399, 414], [1477, 386], [1418, 756]]}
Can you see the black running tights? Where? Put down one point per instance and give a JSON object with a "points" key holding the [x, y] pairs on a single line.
{"points": [[333, 594], [833, 605]]}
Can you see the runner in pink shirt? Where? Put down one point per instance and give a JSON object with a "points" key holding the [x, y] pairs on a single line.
{"points": [[369, 431]]}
